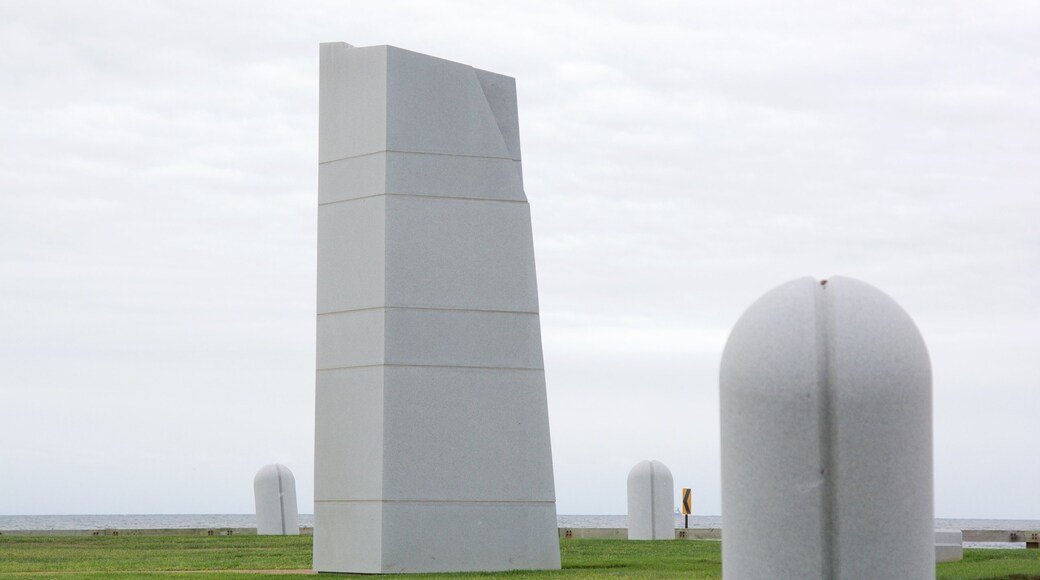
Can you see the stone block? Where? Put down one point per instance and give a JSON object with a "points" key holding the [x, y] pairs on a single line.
{"points": [[461, 254], [429, 337], [349, 415], [351, 249], [469, 536], [500, 91], [352, 178], [949, 546], [437, 448], [439, 106], [348, 535], [420, 174], [454, 176], [352, 102], [465, 338], [351, 339]]}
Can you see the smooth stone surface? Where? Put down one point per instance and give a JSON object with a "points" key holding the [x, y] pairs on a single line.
{"points": [[274, 491], [349, 408], [420, 174], [477, 535], [348, 535], [352, 99], [351, 338], [437, 448], [463, 254], [459, 253], [949, 546], [429, 337], [491, 178], [432, 448], [484, 536], [352, 178], [650, 495], [500, 92], [439, 106], [352, 243], [826, 437]]}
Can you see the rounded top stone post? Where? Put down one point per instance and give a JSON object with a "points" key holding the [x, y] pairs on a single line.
{"points": [[650, 495], [825, 394], [274, 489]]}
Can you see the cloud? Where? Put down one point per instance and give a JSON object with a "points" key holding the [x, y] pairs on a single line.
{"points": [[157, 224]]}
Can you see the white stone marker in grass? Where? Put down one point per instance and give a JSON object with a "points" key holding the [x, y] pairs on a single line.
{"points": [[274, 490], [826, 397], [949, 545], [431, 431], [650, 496]]}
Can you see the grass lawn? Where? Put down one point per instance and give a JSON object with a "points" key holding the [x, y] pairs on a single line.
{"points": [[205, 557]]}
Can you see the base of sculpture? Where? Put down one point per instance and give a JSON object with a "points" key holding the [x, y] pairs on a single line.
{"points": [[434, 537]]}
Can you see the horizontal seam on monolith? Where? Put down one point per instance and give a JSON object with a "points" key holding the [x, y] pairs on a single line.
{"points": [[374, 365], [422, 195], [430, 308], [370, 153]]}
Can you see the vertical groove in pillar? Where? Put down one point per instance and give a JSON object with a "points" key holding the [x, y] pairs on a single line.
{"points": [[653, 518], [281, 497], [827, 427], [825, 390]]}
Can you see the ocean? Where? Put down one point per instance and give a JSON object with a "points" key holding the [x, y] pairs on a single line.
{"points": [[164, 521]]}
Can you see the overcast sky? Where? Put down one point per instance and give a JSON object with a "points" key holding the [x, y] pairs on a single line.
{"points": [[158, 178]]}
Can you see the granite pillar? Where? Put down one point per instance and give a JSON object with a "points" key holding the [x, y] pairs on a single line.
{"points": [[432, 449], [826, 437]]}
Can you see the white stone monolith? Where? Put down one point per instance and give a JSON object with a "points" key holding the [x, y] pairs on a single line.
{"points": [[274, 490], [949, 545], [432, 448], [826, 407], [650, 495]]}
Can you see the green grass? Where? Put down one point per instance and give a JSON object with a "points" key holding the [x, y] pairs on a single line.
{"points": [[128, 556], [206, 557], [993, 565]]}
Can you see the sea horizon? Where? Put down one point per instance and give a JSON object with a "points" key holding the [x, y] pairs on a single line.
{"points": [[246, 520]]}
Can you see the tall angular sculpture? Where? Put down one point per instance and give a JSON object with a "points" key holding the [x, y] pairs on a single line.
{"points": [[826, 400], [431, 432]]}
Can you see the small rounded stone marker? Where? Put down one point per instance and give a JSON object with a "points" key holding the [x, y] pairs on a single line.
{"points": [[825, 393], [274, 489], [650, 495]]}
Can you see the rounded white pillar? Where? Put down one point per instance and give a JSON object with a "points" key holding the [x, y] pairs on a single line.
{"points": [[274, 489], [650, 495], [826, 437]]}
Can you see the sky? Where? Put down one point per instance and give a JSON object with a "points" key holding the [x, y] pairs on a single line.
{"points": [[158, 203]]}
